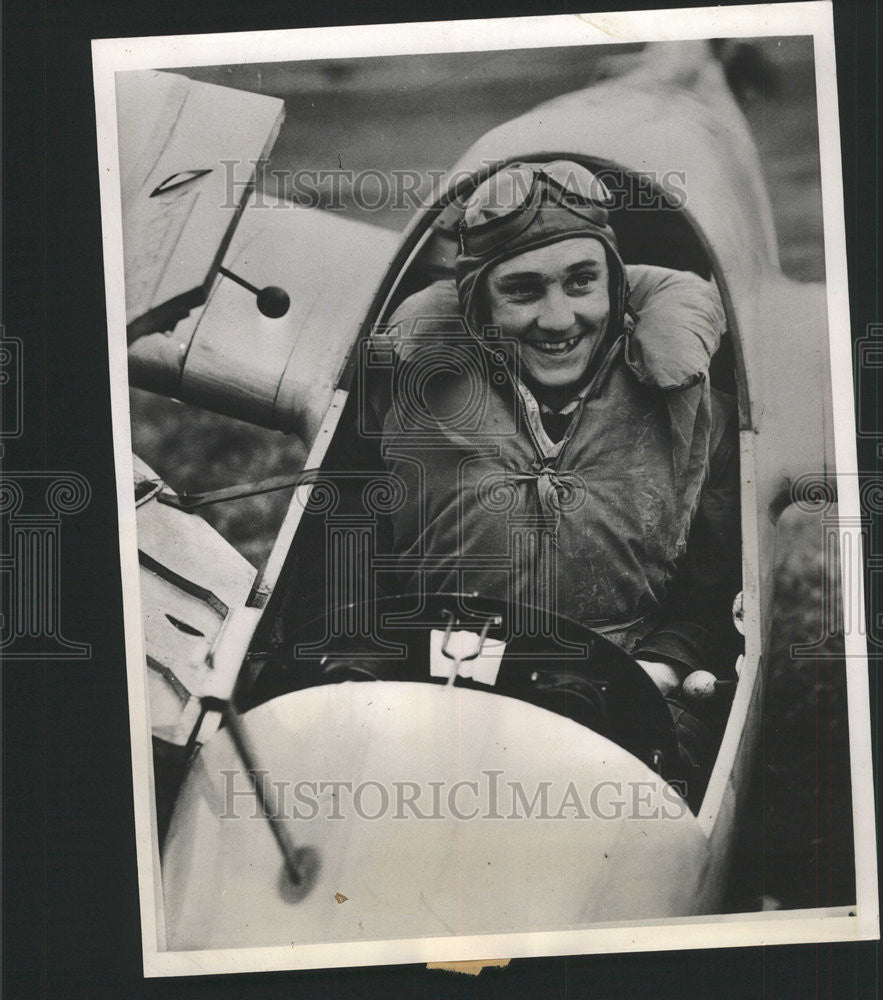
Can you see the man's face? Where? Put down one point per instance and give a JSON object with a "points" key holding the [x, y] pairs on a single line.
{"points": [[555, 302]]}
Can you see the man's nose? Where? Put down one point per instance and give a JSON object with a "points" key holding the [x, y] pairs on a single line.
{"points": [[557, 313]]}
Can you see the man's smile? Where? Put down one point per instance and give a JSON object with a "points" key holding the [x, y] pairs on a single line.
{"points": [[555, 348]]}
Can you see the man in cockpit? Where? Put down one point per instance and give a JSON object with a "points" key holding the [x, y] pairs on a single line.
{"points": [[597, 419], [552, 420]]}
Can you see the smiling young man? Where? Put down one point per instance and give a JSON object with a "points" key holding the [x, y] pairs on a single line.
{"points": [[550, 420]]}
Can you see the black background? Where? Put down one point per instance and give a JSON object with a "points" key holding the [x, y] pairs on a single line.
{"points": [[71, 924]]}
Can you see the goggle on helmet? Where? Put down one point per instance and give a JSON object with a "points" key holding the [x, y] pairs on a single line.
{"points": [[506, 203]]}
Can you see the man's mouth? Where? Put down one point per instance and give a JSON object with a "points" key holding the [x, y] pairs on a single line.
{"points": [[555, 348]]}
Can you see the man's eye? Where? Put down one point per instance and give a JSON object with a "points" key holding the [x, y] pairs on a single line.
{"points": [[581, 282], [523, 293]]}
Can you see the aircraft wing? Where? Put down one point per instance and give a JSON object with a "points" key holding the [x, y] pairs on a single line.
{"points": [[188, 154]]}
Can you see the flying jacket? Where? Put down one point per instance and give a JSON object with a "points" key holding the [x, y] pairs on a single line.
{"points": [[630, 525]]}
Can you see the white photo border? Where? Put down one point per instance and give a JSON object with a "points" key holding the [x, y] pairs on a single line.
{"points": [[843, 924]]}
